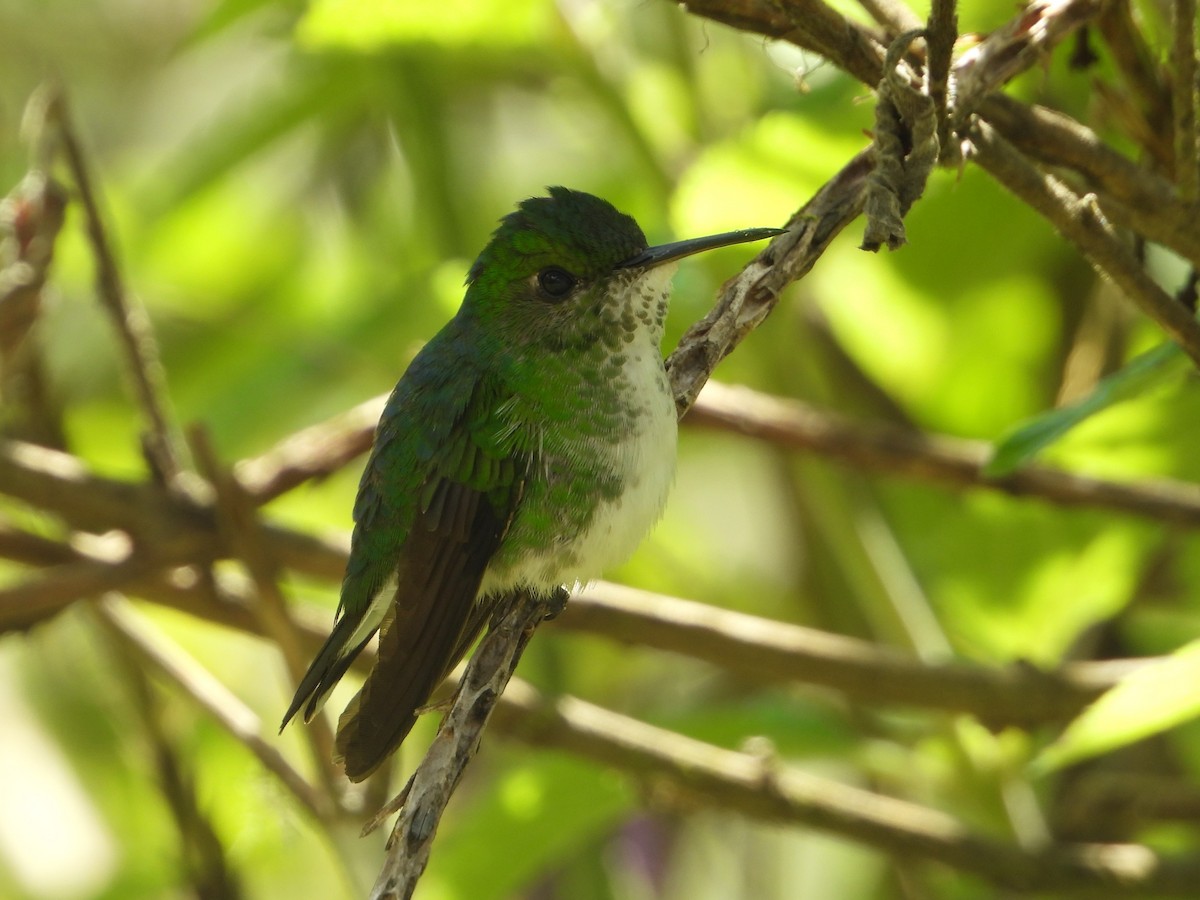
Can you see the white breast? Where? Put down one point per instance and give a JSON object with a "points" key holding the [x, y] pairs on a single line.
{"points": [[646, 463], [642, 460]]}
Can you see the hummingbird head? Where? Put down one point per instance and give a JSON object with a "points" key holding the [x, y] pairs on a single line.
{"points": [[566, 270]]}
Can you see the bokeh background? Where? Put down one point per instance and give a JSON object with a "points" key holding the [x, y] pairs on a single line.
{"points": [[296, 191]]}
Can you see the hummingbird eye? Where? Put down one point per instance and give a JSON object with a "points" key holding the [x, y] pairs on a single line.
{"points": [[555, 282]]}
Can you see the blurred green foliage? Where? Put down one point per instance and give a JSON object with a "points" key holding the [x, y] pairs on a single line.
{"points": [[296, 192]]}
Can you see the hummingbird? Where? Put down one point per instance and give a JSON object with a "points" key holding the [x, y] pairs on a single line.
{"points": [[529, 445]]}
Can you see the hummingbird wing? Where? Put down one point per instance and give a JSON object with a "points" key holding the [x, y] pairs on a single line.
{"points": [[436, 497]]}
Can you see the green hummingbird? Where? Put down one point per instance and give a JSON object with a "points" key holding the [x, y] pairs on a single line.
{"points": [[529, 445]]}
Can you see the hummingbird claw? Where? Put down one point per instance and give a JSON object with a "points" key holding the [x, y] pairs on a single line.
{"points": [[558, 602]]}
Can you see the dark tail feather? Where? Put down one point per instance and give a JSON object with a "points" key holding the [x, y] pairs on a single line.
{"points": [[329, 665], [413, 660], [424, 633]]}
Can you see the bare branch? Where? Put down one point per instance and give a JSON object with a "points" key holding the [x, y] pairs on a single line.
{"points": [[764, 788], [953, 462], [429, 790], [762, 650]]}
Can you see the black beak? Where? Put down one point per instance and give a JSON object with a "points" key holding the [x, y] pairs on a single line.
{"points": [[655, 256]]}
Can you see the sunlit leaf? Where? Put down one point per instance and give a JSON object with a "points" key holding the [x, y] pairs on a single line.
{"points": [[373, 24], [1022, 445], [1151, 700]]}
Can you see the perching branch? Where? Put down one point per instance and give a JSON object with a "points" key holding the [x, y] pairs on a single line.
{"points": [[429, 790], [748, 298]]}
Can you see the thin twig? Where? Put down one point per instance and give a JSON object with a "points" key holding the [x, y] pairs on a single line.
{"points": [[238, 519], [128, 316], [1183, 98], [953, 462], [940, 34], [214, 698]]}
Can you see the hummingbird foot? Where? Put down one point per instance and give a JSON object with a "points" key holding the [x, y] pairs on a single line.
{"points": [[388, 810], [558, 602]]}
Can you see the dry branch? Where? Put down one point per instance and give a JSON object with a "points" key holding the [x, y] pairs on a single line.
{"points": [[1184, 98], [763, 788], [748, 647], [938, 459], [129, 318]]}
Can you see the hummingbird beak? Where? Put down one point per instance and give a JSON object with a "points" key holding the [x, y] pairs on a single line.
{"points": [[655, 256]]}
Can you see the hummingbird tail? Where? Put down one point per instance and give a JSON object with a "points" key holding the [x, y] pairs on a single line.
{"points": [[409, 668], [433, 619]]}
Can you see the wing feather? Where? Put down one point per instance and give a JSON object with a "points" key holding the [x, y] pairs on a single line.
{"points": [[436, 498], [421, 634]]}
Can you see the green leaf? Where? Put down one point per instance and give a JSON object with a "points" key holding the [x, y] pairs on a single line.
{"points": [[1152, 699], [1020, 446], [374, 24]]}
